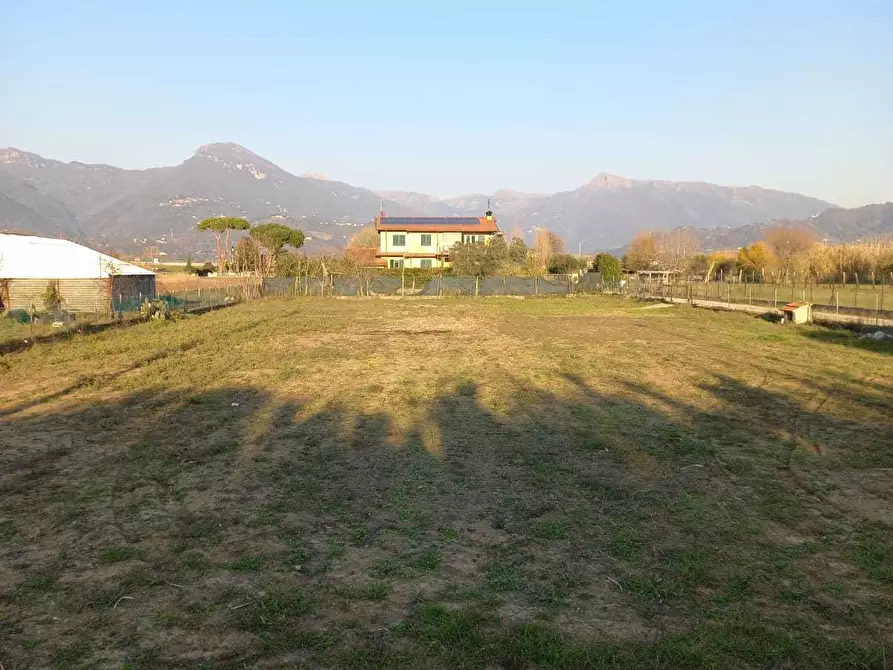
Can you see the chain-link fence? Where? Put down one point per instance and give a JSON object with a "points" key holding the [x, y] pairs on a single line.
{"points": [[866, 301], [23, 327], [428, 286]]}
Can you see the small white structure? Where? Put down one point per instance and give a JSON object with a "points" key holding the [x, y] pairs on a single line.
{"points": [[87, 280], [797, 312]]}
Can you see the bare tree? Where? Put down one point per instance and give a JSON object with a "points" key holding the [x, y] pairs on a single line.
{"points": [[542, 247], [363, 246], [247, 255], [673, 249], [556, 243], [366, 236], [790, 244]]}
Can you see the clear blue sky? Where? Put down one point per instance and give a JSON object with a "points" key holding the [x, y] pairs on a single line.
{"points": [[467, 96]]}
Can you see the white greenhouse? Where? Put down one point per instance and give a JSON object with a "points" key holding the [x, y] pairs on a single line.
{"points": [[86, 280]]}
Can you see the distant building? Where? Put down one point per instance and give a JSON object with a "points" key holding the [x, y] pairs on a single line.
{"points": [[425, 242], [87, 280]]}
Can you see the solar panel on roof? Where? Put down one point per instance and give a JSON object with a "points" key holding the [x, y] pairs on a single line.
{"points": [[430, 221]]}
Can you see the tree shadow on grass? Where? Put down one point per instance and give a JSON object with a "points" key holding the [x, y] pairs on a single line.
{"points": [[853, 339], [96, 379], [235, 525], [763, 421]]}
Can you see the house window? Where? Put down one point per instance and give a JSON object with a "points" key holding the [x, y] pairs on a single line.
{"points": [[399, 240], [473, 239], [396, 263], [425, 263], [426, 240]]}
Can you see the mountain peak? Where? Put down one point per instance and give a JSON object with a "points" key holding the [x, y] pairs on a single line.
{"points": [[11, 155], [610, 181], [234, 157], [225, 149]]}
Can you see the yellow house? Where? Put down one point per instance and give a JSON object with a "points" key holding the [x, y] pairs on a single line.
{"points": [[425, 242]]}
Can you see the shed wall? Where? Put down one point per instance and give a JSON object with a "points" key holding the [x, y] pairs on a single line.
{"points": [[78, 295]]}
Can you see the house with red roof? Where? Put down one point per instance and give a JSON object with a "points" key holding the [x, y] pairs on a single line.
{"points": [[425, 242]]}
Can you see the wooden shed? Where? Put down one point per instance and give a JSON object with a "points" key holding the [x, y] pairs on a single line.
{"points": [[87, 280]]}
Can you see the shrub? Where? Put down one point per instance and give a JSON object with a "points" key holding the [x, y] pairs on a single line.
{"points": [[479, 259], [52, 299], [608, 266], [562, 264], [156, 310], [206, 269]]}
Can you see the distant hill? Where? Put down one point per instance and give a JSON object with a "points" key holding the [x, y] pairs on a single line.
{"points": [[132, 208], [426, 205], [609, 210], [834, 224]]}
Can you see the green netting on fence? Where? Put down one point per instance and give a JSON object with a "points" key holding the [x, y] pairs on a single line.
{"points": [[447, 285]]}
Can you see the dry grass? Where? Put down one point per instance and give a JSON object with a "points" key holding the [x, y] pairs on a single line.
{"points": [[175, 282], [492, 483]]}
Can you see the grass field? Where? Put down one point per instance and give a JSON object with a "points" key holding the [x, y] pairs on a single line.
{"points": [[562, 483]]}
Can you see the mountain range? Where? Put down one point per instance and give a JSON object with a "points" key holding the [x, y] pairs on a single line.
{"points": [[132, 208], [120, 207], [834, 224]]}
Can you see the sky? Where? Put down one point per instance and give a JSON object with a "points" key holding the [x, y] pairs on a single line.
{"points": [[466, 97]]}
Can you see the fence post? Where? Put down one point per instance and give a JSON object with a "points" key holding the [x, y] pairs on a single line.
{"points": [[877, 311], [836, 302], [476, 286], [185, 298], [775, 299], [536, 285], [729, 296]]}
